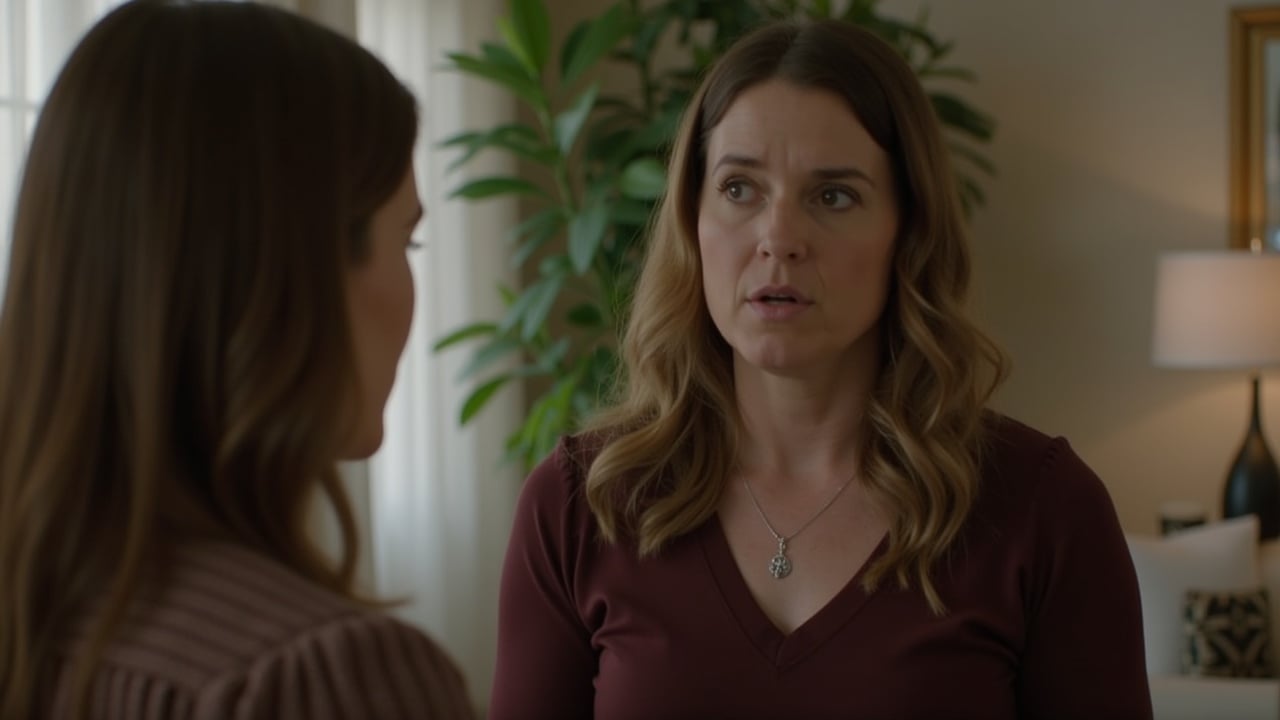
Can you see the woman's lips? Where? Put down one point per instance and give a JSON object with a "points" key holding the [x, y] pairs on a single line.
{"points": [[774, 307]]}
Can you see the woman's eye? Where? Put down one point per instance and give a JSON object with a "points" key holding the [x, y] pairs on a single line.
{"points": [[737, 191], [837, 198]]}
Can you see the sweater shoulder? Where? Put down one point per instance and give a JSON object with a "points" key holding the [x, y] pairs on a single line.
{"points": [[227, 629], [1028, 471]]}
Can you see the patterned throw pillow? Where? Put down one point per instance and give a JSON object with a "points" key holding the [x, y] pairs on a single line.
{"points": [[1227, 634]]}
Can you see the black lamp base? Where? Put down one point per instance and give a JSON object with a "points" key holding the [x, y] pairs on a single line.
{"points": [[1253, 485]]}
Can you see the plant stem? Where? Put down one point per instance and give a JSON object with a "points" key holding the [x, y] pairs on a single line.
{"points": [[565, 187]]}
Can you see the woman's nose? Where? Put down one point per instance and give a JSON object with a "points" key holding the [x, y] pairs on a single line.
{"points": [[782, 232]]}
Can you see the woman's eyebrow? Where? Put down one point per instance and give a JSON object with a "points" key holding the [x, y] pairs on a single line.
{"points": [[822, 173], [840, 173], [740, 160]]}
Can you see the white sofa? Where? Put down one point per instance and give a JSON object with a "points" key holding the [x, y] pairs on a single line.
{"points": [[1223, 555]]}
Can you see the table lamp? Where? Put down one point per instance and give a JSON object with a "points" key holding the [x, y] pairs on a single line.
{"points": [[1220, 310]]}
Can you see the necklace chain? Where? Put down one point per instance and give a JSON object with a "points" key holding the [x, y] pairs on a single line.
{"points": [[780, 565]]}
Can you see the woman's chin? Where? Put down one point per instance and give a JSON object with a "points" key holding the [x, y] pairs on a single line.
{"points": [[774, 356], [365, 444]]}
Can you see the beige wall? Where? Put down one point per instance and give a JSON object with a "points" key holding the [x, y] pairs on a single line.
{"points": [[1111, 148]]}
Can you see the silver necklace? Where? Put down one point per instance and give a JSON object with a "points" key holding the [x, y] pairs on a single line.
{"points": [[780, 565]]}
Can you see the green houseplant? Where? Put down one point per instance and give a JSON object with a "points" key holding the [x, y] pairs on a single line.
{"points": [[593, 168]]}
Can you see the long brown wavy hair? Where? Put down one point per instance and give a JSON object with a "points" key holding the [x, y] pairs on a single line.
{"points": [[175, 352], [670, 439]]}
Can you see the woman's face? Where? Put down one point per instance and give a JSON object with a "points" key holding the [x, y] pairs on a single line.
{"points": [[796, 224], [380, 310]]}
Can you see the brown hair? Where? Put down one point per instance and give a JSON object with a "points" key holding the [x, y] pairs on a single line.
{"points": [[671, 438], [174, 346]]}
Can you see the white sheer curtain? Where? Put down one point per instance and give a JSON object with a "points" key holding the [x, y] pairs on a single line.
{"points": [[440, 498]]}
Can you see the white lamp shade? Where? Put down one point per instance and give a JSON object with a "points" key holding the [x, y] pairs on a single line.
{"points": [[1217, 309]]}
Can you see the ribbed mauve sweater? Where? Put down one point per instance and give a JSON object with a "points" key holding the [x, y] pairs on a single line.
{"points": [[232, 634]]}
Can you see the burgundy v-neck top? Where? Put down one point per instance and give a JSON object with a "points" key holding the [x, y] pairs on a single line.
{"points": [[1043, 619]]}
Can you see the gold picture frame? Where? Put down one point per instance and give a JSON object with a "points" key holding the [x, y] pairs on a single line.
{"points": [[1255, 127]]}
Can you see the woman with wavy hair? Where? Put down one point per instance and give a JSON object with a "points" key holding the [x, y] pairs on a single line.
{"points": [[207, 299], [798, 505]]}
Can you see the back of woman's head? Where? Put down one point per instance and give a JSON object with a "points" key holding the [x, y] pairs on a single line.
{"points": [[174, 344]]}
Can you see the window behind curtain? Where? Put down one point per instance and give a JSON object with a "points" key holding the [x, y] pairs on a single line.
{"points": [[35, 38]]}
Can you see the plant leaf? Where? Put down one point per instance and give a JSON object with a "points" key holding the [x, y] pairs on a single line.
{"points": [[547, 360], [585, 314], [545, 220], [465, 332], [516, 310], [586, 232], [950, 73], [505, 56], [508, 77], [491, 186], [519, 139], [531, 27], [557, 264], [523, 445], [600, 369], [972, 156], [660, 131], [497, 348], [645, 37], [516, 44], [569, 123], [600, 37], [480, 397], [553, 418], [536, 240], [464, 139], [643, 179], [971, 194], [571, 44], [532, 302], [628, 211], [957, 114], [541, 297]]}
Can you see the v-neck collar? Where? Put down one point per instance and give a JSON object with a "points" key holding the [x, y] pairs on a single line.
{"points": [[781, 650]]}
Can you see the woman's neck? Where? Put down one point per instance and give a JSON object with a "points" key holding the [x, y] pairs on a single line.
{"points": [[801, 428]]}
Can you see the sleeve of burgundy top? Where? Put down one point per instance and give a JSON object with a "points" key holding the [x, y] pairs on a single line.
{"points": [[546, 665], [1084, 649]]}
